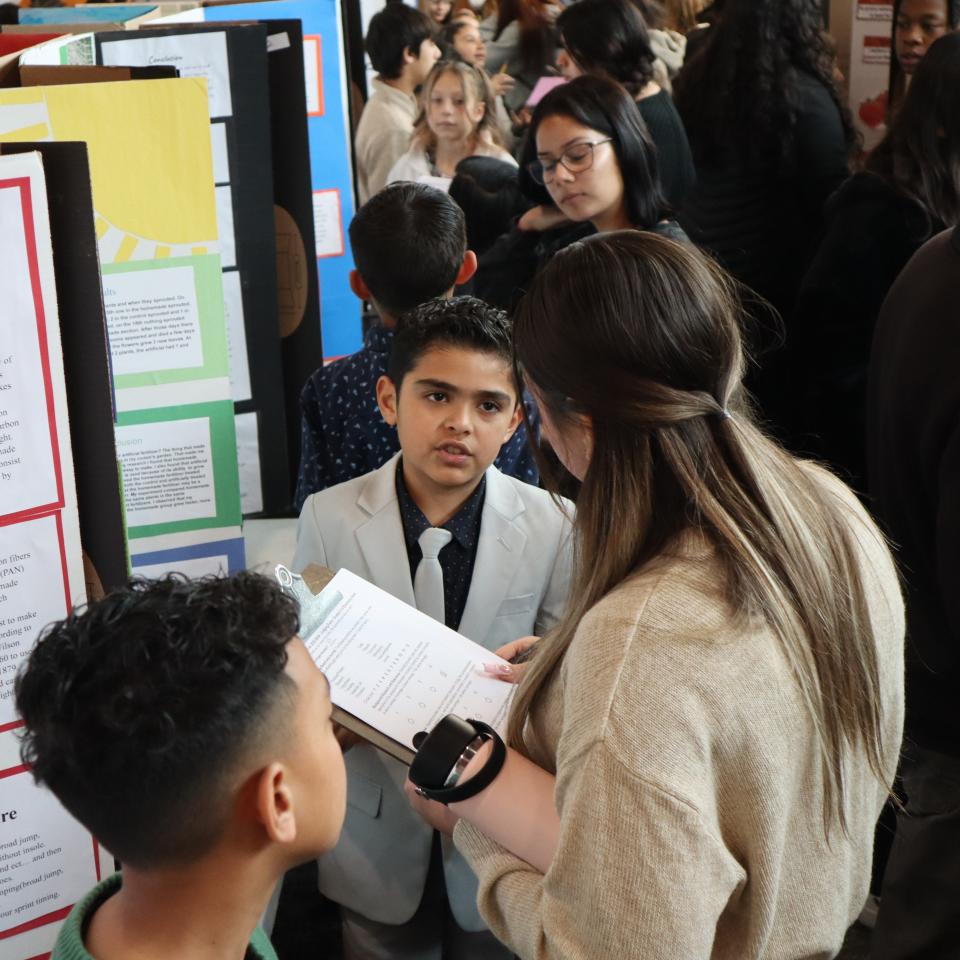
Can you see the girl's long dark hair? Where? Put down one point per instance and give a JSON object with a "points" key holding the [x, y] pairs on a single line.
{"points": [[920, 155], [609, 38], [604, 106], [739, 91], [898, 80]]}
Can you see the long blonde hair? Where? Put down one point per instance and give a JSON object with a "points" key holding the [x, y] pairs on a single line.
{"points": [[641, 335], [476, 88]]}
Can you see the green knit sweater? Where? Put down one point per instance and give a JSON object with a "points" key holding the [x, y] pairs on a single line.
{"points": [[70, 942]]}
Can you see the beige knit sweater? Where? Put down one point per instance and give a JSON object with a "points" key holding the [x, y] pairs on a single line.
{"points": [[689, 794]]}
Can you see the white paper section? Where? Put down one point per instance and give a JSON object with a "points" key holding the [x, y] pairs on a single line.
{"points": [[194, 55], [236, 337], [167, 471], [153, 319], [248, 461], [438, 183], [218, 146], [40, 870], [278, 41], [228, 241], [194, 15], [311, 71], [327, 223], [195, 567], [79, 50], [31, 596], [872, 10], [397, 669], [22, 116], [27, 478]]}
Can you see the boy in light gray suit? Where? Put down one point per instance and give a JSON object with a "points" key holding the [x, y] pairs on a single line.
{"points": [[442, 529]]}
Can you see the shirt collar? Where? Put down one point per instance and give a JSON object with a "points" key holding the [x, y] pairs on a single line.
{"points": [[464, 524], [378, 338]]}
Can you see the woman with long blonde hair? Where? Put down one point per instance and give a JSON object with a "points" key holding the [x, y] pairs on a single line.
{"points": [[722, 703], [457, 120]]}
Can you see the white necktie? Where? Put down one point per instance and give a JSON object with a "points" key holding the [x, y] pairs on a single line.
{"points": [[428, 581]]}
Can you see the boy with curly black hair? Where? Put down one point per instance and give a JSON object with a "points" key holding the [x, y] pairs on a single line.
{"points": [[185, 725]]}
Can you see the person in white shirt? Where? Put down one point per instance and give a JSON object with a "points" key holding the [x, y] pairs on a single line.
{"points": [[457, 120], [400, 45]]}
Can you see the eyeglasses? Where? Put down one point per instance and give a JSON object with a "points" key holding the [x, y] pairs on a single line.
{"points": [[576, 159]]}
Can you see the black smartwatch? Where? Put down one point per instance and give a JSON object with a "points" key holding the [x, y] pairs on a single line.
{"points": [[443, 755]]}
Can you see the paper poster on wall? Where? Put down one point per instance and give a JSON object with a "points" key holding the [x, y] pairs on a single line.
{"points": [[221, 158], [225, 229], [29, 459], [166, 320], [248, 463], [178, 467], [313, 74], [236, 337], [177, 552], [194, 55], [874, 10], [328, 223], [876, 49], [33, 592], [40, 875]]}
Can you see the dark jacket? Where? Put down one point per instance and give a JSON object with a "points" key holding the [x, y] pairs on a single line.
{"points": [[872, 230], [761, 221], [913, 443]]}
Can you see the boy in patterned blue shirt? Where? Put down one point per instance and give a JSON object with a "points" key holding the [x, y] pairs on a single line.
{"points": [[409, 244]]}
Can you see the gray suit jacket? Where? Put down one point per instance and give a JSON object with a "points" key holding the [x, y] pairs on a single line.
{"points": [[520, 582]]}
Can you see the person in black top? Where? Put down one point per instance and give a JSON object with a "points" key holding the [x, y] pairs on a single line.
{"points": [[609, 38], [913, 442], [916, 25], [771, 138], [589, 161], [908, 190]]}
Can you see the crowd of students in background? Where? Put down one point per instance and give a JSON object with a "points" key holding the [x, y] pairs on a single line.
{"points": [[697, 257]]}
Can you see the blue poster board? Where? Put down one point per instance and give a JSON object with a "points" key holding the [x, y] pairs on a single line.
{"points": [[331, 170]]}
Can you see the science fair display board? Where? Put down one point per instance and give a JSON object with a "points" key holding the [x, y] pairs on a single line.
{"points": [[155, 219], [47, 860]]}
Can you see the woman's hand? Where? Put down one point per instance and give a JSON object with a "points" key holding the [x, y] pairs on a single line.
{"points": [[510, 672], [439, 816], [541, 218], [501, 83]]}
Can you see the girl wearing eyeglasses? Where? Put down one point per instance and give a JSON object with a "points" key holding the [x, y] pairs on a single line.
{"points": [[457, 120], [589, 147]]}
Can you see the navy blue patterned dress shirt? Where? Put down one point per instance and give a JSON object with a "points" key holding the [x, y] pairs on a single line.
{"points": [[457, 557], [343, 436]]}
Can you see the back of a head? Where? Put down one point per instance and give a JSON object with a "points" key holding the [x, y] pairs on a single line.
{"points": [[610, 38], [920, 153], [486, 190], [737, 94], [461, 322], [601, 104], [641, 335], [408, 243], [145, 710], [395, 28]]}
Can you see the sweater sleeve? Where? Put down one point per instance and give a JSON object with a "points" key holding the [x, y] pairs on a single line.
{"points": [[637, 873]]}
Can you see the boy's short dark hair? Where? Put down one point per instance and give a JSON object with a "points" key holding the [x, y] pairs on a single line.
{"points": [[394, 29], [464, 322], [408, 243], [142, 708]]}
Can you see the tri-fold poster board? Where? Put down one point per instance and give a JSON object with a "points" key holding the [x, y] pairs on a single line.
{"points": [[47, 860]]}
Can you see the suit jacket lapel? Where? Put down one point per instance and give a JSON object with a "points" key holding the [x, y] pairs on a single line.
{"points": [[380, 538], [499, 553]]}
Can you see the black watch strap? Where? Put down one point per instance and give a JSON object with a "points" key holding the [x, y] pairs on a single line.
{"points": [[435, 759]]}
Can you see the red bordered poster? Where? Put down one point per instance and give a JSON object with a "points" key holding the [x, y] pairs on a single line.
{"points": [[12, 366], [313, 73]]}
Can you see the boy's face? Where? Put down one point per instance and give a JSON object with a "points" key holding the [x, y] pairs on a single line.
{"points": [[315, 756], [420, 62], [455, 409]]}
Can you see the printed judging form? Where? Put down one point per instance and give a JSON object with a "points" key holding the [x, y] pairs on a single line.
{"points": [[395, 668]]}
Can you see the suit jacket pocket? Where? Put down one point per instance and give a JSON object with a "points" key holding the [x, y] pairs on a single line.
{"points": [[364, 794], [511, 606]]}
